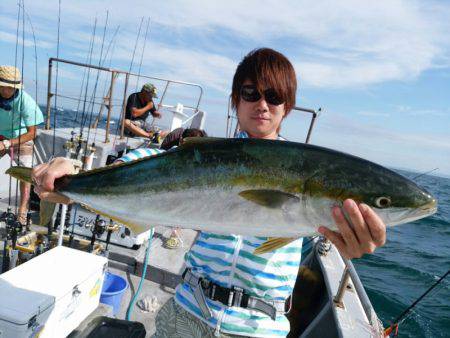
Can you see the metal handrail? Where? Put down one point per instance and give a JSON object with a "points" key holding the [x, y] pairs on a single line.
{"points": [[114, 71], [350, 273]]}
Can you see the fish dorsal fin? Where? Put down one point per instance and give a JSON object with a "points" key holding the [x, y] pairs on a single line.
{"points": [[268, 198], [193, 141], [272, 244]]}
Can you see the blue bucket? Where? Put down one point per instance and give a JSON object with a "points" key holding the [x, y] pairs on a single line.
{"points": [[113, 289]]}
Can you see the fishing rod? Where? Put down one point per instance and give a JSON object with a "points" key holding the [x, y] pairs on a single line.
{"points": [[403, 315], [56, 80], [12, 226], [14, 111]]}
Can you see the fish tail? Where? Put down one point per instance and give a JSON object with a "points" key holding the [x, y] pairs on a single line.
{"points": [[20, 173]]}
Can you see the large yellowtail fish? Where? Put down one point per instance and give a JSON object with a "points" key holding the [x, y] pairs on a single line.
{"points": [[243, 186]]}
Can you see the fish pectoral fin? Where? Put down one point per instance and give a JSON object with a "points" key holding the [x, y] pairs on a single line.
{"points": [[272, 244], [269, 198]]}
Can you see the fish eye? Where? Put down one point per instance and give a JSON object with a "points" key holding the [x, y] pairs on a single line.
{"points": [[382, 202]]}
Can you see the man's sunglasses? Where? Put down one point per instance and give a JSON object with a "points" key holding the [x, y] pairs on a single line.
{"points": [[251, 94]]}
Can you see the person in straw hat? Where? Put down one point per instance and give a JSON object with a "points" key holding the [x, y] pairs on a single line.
{"points": [[19, 116]]}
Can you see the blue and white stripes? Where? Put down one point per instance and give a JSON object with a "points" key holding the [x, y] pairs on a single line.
{"points": [[139, 153]]}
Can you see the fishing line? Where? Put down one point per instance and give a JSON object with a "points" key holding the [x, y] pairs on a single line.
{"points": [[405, 314], [36, 80], [142, 54], [91, 42], [425, 173], [122, 113], [56, 80], [105, 94], [81, 88], [96, 84], [135, 45], [87, 81]]}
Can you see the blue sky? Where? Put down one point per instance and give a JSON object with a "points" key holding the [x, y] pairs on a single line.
{"points": [[379, 70]]}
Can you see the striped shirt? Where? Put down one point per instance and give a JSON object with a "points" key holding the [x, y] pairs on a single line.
{"points": [[139, 153], [229, 261]]}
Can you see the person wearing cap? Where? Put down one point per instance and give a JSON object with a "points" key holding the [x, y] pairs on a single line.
{"points": [[139, 107], [19, 117]]}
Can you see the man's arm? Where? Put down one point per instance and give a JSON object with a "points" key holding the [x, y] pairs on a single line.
{"points": [[136, 112], [44, 175], [28, 136]]}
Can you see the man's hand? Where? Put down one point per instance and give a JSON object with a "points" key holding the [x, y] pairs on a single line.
{"points": [[2, 149], [44, 176], [366, 232]]}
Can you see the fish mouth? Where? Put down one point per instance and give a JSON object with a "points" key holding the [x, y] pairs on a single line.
{"points": [[395, 216], [430, 208]]}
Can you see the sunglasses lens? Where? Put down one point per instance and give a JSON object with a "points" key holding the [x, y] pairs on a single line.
{"points": [[250, 93], [272, 97]]}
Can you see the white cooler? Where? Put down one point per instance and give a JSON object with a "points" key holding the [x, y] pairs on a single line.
{"points": [[50, 295]]}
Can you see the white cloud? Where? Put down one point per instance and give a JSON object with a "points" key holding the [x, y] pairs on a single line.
{"points": [[372, 113], [345, 44], [11, 38]]}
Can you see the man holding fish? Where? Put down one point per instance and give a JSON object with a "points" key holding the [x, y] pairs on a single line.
{"points": [[224, 267]]}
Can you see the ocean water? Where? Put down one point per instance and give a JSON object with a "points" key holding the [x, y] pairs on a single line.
{"points": [[413, 258]]}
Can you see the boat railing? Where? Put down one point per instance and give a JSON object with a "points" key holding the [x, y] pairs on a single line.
{"points": [[181, 119], [108, 100], [350, 273]]}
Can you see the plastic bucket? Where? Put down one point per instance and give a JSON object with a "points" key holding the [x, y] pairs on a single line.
{"points": [[113, 289]]}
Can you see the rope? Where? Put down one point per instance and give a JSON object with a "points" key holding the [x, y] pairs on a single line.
{"points": [[144, 273]]}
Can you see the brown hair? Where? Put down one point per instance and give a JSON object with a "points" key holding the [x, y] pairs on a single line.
{"points": [[266, 68], [193, 132]]}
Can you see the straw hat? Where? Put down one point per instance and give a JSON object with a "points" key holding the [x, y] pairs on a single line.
{"points": [[10, 77]]}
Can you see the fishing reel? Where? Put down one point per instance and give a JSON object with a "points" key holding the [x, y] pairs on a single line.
{"points": [[12, 226], [99, 227], [70, 147]]}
